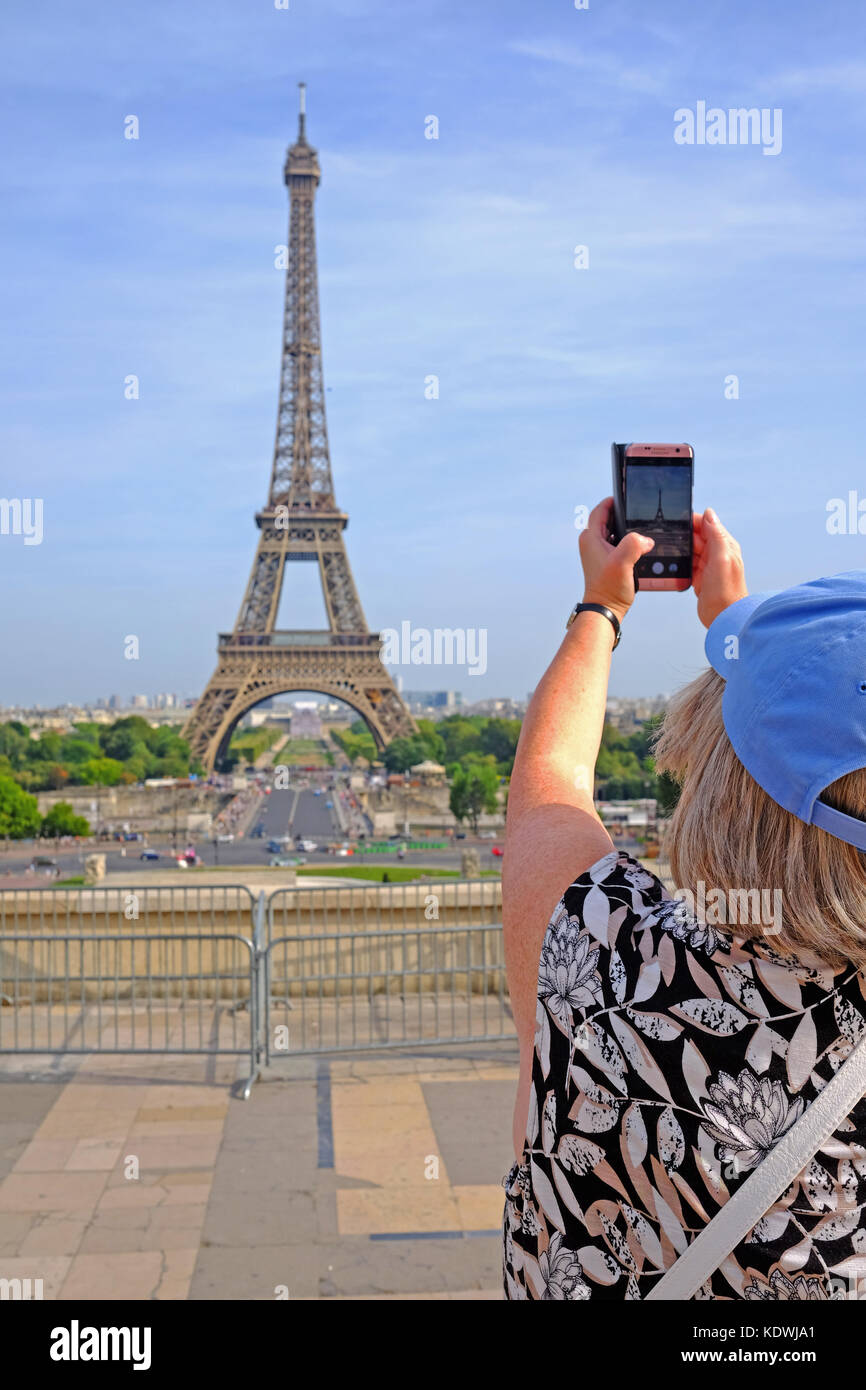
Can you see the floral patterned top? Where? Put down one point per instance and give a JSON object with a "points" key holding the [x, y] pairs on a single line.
{"points": [[669, 1059]]}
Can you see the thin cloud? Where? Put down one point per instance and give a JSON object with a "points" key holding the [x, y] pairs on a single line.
{"points": [[606, 66], [835, 77]]}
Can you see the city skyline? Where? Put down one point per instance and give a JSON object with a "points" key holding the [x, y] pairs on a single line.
{"points": [[463, 504]]}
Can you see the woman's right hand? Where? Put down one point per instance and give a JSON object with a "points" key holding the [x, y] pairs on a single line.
{"points": [[718, 577]]}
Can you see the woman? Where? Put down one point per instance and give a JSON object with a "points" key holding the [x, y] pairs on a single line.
{"points": [[666, 1044]]}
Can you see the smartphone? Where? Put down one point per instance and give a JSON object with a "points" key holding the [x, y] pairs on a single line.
{"points": [[652, 493]]}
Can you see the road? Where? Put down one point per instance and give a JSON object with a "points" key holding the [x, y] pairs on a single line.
{"points": [[292, 811], [298, 811]]}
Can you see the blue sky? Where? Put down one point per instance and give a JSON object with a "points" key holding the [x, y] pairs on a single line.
{"points": [[452, 257]]}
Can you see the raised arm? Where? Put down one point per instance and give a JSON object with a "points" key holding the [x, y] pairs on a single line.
{"points": [[553, 831]]}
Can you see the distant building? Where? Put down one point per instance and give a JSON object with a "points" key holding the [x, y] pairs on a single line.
{"points": [[433, 699], [630, 715], [140, 702], [497, 708], [305, 721]]}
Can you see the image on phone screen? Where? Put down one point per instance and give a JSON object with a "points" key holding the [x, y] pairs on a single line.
{"points": [[658, 503]]}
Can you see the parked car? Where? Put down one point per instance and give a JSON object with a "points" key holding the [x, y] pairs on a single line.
{"points": [[308, 846], [284, 861], [225, 839], [275, 844], [41, 862], [149, 854], [461, 835]]}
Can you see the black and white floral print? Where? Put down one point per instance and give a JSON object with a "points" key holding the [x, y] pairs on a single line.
{"points": [[748, 1116], [669, 1059]]}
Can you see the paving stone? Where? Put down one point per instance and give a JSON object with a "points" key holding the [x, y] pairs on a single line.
{"points": [[241, 1274], [295, 1188], [23, 1106], [121, 1275], [53, 1236], [51, 1269], [472, 1122], [258, 1220]]}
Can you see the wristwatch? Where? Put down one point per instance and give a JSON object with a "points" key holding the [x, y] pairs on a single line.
{"points": [[596, 608]]}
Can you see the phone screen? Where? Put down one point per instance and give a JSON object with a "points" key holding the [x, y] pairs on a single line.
{"points": [[658, 503]]}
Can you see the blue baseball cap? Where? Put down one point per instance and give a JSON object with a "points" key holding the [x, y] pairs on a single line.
{"points": [[794, 705]]}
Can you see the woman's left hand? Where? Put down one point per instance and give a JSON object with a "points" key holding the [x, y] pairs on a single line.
{"points": [[608, 570]]}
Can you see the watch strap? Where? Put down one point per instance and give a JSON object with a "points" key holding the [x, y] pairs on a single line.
{"points": [[597, 608]]}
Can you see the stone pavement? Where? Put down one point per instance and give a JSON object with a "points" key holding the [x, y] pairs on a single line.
{"points": [[374, 1176]]}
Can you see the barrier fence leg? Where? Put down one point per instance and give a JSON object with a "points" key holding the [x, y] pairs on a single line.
{"points": [[263, 959], [258, 961]]}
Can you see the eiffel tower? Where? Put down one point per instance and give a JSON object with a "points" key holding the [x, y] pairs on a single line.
{"points": [[300, 522]]}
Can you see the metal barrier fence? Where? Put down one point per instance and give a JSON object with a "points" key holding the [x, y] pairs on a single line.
{"points": [[362, 906], [141, 907], [204, 971], [338, 991]]}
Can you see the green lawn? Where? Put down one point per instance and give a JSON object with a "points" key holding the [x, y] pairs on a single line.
{"points": [[399, 873], [307, 752]]}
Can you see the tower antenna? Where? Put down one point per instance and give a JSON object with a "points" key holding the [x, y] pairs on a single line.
{"points": [[302, 111]]}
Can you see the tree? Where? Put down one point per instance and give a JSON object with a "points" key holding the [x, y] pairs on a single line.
{"points": [[77, 750], [356, 742], [499, 738], [14, 744], [62, 820], [48, 747], [460, 735], [120, 742], [106, 771], [19, 811], [473, 790], [400, 754], [433, 741], [425, 746], [667, 793], [127, 751]]}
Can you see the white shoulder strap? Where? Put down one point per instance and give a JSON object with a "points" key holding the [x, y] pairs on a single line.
{"points": [[770, 1179]]}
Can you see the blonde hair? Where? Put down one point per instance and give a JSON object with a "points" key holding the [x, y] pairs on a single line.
{"points": [[728, 833]]}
